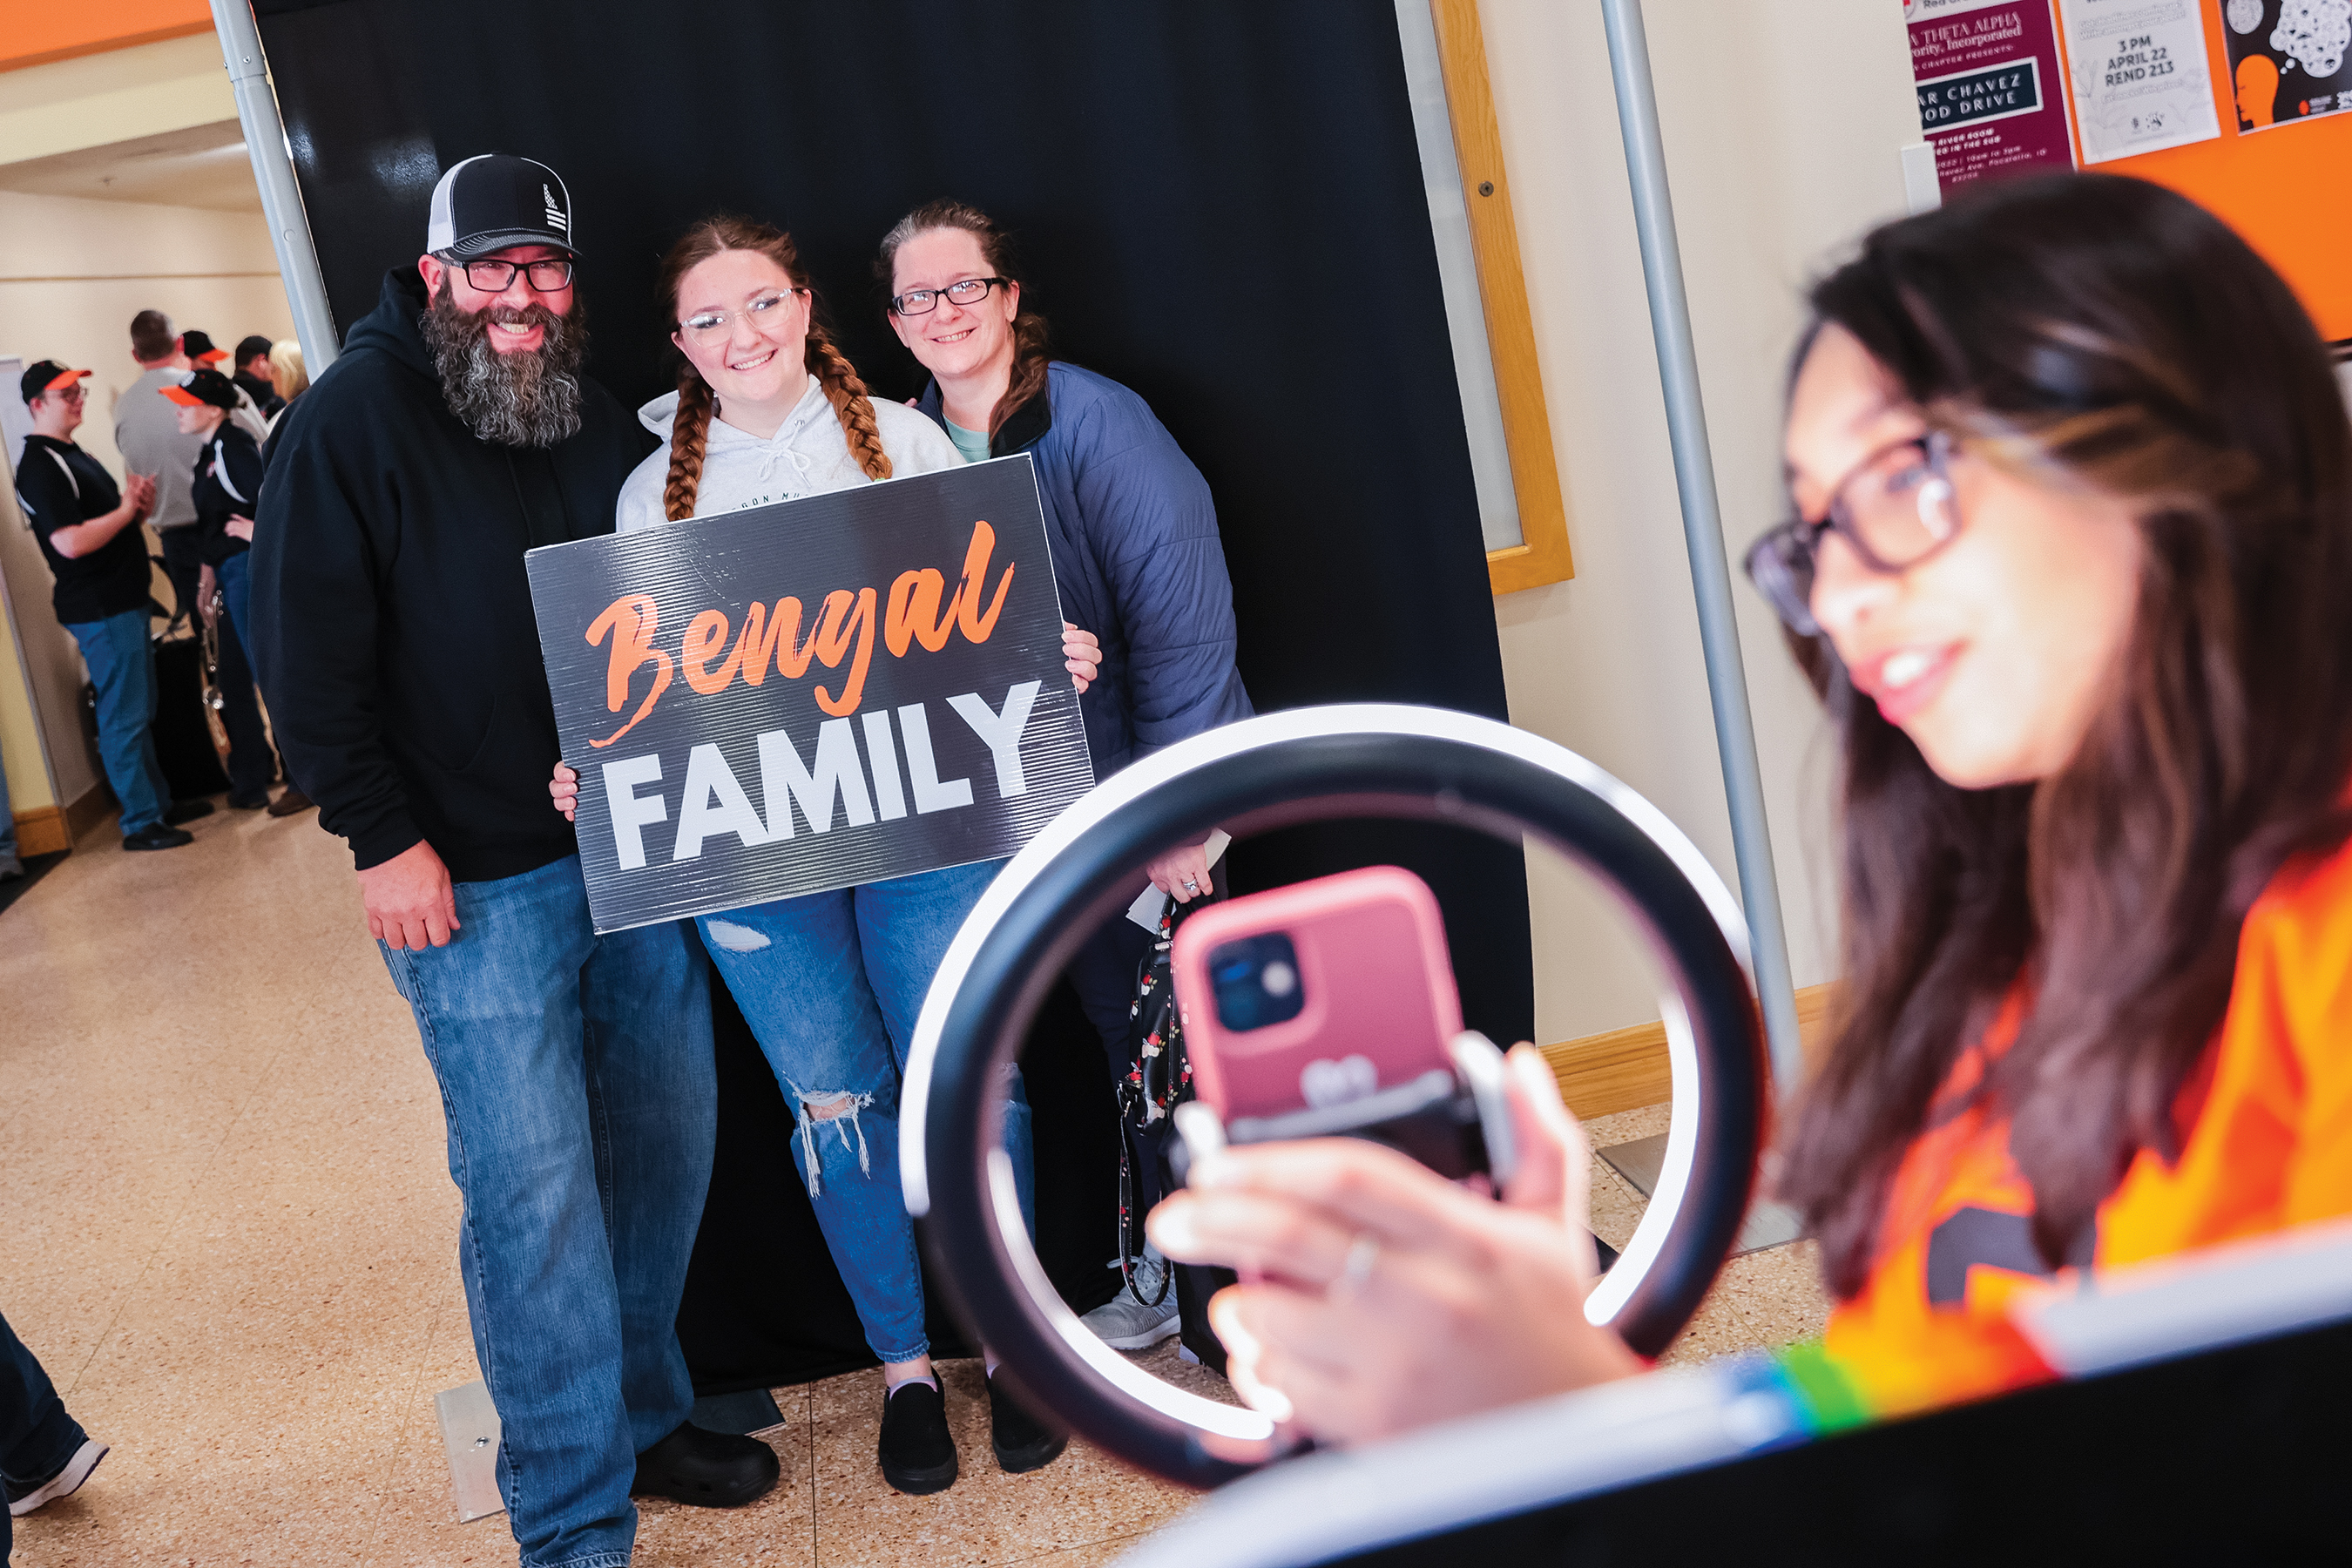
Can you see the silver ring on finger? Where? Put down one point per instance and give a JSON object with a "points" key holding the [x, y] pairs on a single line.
{"points": [[1356, 1270], [1192, 885]]}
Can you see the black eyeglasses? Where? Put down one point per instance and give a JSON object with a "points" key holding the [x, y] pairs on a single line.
{"points": [[923, 301], [1895, 508], [497, 277]]}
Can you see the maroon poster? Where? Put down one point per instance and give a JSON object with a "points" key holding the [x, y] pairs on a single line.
{"points": [[1992, 98]]}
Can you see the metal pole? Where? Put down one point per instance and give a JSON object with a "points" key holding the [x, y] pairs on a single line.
{"points": [[273, 171], [1726, 680]]}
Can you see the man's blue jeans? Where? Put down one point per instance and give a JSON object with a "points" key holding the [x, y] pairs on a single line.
{"points": [[122, 669], [577, 1081], [37, 1436], [831, 984], [236, 575]]}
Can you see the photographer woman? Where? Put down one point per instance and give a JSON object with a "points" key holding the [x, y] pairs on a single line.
{"points": [[768, 410], [1137, 557], [2073, 485]]}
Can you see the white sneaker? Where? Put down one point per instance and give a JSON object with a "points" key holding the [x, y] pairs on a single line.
{"points": [[65, 1483], [1125, 1323]]}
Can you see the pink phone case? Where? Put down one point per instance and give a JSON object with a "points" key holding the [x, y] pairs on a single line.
{"points": [[1379, 1000]]}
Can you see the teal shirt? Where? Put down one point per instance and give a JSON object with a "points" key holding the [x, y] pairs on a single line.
{"points": [[973, 443]]}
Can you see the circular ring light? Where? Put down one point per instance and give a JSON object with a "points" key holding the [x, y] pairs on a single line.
{"points": [[1303, 765]]}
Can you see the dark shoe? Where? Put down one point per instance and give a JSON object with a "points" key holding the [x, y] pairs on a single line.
{"points": [[707, 1469], [290, 801], [65, 1483], [182, 811], [256, 801], [917, 1455], [158, 836], [1022, 1441]]}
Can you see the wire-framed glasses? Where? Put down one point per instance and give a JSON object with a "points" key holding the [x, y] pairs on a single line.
{"points": [[1895, 508], [497, 277], [707, 327], [923, 301]]}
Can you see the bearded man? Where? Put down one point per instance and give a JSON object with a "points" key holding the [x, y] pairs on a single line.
{"points": [[400, 657]]}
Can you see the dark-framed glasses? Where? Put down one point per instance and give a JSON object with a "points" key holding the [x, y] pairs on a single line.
{"points": [[923, 301], [497, 277], [707, 327], [1895, 508]]}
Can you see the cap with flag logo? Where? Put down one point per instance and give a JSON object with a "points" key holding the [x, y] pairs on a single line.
{"points": [[49, 376], [198, 347], [203, 388], [497, 200]]}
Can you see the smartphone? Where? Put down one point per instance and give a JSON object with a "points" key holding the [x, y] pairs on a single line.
{"points": [[1328, 1007]]}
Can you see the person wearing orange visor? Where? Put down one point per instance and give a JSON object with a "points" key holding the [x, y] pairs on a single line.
{"points": [[2072, 484]]}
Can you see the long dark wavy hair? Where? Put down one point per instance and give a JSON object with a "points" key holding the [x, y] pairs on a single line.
{"points": [[2104, 335]]}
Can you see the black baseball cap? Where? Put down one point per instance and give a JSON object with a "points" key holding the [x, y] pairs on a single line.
{"points": [[48, 376], [496, 200], [246, 349], [201, 387], [198, 347]]}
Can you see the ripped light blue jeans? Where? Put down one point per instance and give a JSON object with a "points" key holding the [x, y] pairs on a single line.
{"points": [[831, 984]]}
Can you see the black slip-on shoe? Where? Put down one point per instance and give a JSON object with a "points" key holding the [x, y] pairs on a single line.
{"points": [[707, 1469], [257, 801], [155, 835], [917, 1451], [290, 801], [181, 811], [1022, 1441]]}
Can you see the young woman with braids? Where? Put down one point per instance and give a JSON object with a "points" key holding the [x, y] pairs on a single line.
{"points": [[1136, 555], [768, 410], [2072, 544]]}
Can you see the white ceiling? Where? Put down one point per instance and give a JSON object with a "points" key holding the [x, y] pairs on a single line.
{"points": [[202, 166]]}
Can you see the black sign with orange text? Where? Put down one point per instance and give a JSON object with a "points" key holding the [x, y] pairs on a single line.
{"points": [[839, 690]]}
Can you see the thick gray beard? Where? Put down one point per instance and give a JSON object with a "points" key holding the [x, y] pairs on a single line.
{"points": [[523, 399]]}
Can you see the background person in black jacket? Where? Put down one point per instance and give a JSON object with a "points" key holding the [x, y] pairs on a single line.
{"points": [[89, 533], [397, 648]]}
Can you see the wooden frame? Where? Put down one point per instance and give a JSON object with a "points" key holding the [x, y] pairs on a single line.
{"points": [[1544, 556]]}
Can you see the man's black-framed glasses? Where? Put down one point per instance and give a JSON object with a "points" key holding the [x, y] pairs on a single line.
{"points": [[497, 277], [923, 301], [1895, 508]]}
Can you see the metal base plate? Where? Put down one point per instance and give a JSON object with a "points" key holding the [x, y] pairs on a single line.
{"points": [[469, 1432], [1767, 1225]]}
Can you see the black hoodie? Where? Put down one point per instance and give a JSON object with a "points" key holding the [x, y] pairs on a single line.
{"points": [[393, 633]]}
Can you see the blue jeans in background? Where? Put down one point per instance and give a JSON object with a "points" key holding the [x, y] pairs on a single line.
{"points": [[37, 1436], [577, 1081], [122, 669], [831, 984]]}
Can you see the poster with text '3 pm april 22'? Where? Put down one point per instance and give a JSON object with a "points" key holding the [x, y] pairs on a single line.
{"points": [[839, 690]]}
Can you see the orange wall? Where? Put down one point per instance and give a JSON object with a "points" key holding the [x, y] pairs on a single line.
{"points": [[2286, 189], [34, 32]]}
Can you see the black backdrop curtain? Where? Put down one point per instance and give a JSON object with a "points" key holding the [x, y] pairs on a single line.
{"points": [[1221, 206]]}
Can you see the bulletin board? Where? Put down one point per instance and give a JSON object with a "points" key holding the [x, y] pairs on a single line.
{"points": [[2282, 188]]}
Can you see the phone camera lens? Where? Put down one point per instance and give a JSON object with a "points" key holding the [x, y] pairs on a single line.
{"points": [[1279, 978], [1256, 982]]}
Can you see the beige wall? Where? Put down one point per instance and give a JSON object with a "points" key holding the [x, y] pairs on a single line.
{"points": [[118, 96], [1782, 120]]}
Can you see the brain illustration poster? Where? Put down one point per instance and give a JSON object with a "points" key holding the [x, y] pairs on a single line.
{"points": [[2289, 59], [1992, 99]]}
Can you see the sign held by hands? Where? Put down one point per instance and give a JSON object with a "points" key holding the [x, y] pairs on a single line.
{"points": [[844, 689]]}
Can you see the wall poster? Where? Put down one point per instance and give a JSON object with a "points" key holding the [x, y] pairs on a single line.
{"points": [[1992, 97], [843, 689], [2288, 59], [2140, 75]]}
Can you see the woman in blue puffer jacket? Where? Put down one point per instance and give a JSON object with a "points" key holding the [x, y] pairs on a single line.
{"points": [[1136, 556]]}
